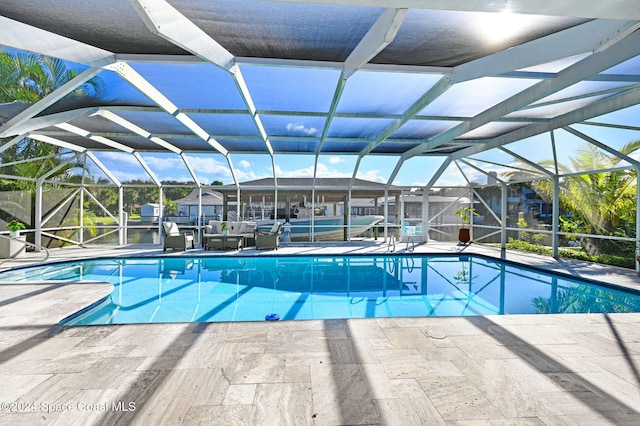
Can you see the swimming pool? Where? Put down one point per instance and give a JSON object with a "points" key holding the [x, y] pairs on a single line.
{"points": [[258, 288]]}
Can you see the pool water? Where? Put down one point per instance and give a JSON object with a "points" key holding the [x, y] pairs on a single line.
{"points": [[247, 288]]}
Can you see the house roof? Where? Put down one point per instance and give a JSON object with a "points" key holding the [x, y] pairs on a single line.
{"points": [[209, 198], [299, 189], [323, 183]]}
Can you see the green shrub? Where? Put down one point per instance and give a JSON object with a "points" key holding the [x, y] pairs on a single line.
{"points": [[579, 254], [538, 238]]}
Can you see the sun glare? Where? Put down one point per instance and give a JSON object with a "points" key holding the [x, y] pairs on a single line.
{"points": [[496, 28]]}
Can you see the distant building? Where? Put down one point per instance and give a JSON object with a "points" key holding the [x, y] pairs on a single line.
{"points": [[188, 206], [150, 213]]}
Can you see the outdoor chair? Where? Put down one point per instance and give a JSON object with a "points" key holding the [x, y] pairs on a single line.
{"points": [[176, 239], [270, 239], [170, 268]]}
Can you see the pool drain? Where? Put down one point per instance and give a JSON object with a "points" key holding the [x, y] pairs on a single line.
{"points": [[272, 317]]}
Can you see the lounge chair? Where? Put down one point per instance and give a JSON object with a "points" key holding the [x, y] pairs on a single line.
{"points": [[270, 239], [176, 239]]}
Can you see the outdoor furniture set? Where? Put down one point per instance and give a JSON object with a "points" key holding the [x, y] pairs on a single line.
{"points": [[219, 235]]}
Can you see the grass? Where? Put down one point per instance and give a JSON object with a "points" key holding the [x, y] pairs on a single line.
{"points": [[107, 220]]}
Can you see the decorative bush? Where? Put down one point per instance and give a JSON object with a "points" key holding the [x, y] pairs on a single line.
{"points": [[606, 259]]}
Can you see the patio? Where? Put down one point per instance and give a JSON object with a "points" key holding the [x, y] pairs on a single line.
{"points": [[519, 369], [505, 108]]}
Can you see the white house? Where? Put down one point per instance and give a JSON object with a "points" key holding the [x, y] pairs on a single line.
{"points": [[188, 206]]}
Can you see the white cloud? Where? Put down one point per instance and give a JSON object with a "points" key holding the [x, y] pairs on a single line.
{"points": [[209, 166], [244, 164], [453, 177], [299, 128], [120, 158], [124, 166], [172, 168], [323, 171], [415, 183], [251, 175], [164, 163], [127, 177], [335, 160], [303, 172], [372, 175]]}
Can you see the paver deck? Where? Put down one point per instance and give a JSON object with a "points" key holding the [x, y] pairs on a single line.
{"points": [[498, 370]]}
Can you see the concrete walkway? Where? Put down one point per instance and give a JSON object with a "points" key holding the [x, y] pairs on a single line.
{"points": [[498, 370]]}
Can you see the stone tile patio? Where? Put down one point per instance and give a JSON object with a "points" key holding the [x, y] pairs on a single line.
{"points": [[498, 370]]}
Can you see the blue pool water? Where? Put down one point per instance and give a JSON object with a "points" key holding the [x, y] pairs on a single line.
{"points": [[246, 288]]}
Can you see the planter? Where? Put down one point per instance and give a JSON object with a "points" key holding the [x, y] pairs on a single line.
{"points": [[13, 248], [464, 235], [14, 234]]}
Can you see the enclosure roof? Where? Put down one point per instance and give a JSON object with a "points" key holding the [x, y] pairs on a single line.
{"points": [[404, 79]]}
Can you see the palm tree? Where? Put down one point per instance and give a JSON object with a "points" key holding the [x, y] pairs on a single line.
{"points": [[27, 78], [602, 200], [584, 299]]}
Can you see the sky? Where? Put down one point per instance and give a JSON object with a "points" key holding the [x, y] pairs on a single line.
{"points": [[311, 90], [250, 167], [415, 172], [281, 89]]}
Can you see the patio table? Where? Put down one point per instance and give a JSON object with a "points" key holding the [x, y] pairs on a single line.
{"points": [[222, 241]]}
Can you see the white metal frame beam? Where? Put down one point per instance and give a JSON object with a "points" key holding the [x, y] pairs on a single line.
{"points": [[169, 23], [416, 69], [593, 64], [527, 161], [136, 80], [591, 36], [60, 166], [636, 166], [106, 171], [585, 38], [431, 95], [147, 169], [604, 147], [189, 167], [57, 142], [613, 103], [580, 39], [13, 126], [35, 125], [26, 37], [12, 142], [165, 21], [100, 139], [115, 118], [379, 36]]}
